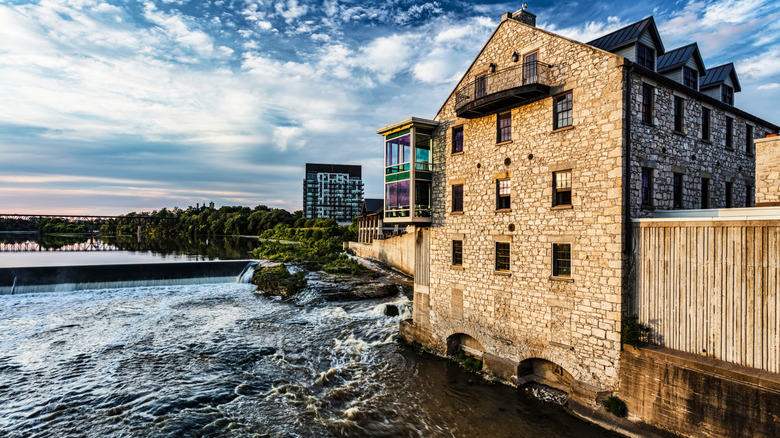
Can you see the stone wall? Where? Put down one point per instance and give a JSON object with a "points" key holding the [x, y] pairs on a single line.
{"points": [[396, 252], [660, 148], [768, 171], [698, 397], [525, 312]]}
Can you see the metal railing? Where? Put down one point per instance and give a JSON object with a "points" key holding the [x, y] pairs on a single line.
{"points": [[535, 72]]}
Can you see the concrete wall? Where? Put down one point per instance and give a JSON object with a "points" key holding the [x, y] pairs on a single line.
{"points": [[768, 171], [397, 252], [698, 397]]}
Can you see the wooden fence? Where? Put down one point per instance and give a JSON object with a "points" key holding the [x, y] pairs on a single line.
{"points": [[710, 287]]}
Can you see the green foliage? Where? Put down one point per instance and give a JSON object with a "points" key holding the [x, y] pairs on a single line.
{"points": [[633, 333], [343, 265], [616, 406], [278, 281], [468, 362]]}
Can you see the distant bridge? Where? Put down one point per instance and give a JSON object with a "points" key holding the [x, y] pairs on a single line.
{"points": [[30, 246], [91, 221]]}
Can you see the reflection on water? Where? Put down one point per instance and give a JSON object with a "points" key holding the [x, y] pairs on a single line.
{"points": [[21, 249], [217, 360]]}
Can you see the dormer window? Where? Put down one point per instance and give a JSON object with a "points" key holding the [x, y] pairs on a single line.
{"points": [[690, 78], [645, 56], [727, 94]]}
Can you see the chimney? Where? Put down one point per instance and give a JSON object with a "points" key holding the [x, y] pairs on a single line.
{"points": [[524, 16]]}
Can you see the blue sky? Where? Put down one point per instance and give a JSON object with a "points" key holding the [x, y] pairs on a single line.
{"points": [[111, 107]]}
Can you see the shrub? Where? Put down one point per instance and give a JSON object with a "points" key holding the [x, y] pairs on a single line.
{"points": [[616, 406], [278, 281], [468, 362], [633, 333], [344, 265]]}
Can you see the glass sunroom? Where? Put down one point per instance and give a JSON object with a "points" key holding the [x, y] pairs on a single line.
{"points": [[408, 170]]}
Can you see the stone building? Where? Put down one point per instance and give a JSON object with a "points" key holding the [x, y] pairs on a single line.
{"points": [[332, 191], [538, 160]]}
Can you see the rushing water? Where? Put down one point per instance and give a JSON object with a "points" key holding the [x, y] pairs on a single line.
{"points": [[219, 360]]}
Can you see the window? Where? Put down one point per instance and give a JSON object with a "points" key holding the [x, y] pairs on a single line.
{"points": [[678, 191], [562, 111], [729, 133], [748, 139], [690, 78], [457, 198], [729, 188], [705, 193], [503, 194], [748, 196], [504, 127], [562, 188], [502, 256], [530, 69], [679, 113], [561, 262], [647, 187], [457, 253], [645, 56], [480, 86], [647, 104], [727, 94], [457, 139], [705, 124]]}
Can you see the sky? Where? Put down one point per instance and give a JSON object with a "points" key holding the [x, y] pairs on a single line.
{"points": [[108, 107]]}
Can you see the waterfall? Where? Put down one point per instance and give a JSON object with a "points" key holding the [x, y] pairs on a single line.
{"points": [[249, 271]]}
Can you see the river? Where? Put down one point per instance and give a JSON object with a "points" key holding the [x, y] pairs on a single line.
{"points": [[220, 360]]}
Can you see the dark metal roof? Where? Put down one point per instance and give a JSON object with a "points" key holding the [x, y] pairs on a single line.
{"points": [[678, 57], [716, 76], [373, 206], [353, 170], [629, 35]]}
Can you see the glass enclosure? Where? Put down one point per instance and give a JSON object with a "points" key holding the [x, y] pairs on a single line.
{"points": [[408, 167]]}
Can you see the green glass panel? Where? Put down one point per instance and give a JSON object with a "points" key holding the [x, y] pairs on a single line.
{"points": [[397, 134], [397, 177]]}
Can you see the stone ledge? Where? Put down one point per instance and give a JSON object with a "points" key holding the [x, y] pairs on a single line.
{"points": [[717, 367]]}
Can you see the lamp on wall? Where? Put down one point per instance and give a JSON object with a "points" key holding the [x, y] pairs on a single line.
{"points": [[515, 57], [492, 67]]}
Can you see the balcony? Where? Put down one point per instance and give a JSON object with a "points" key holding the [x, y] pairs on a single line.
{"points": [[502, 90]]}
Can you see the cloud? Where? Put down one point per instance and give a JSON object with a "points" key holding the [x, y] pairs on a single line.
{"points": [[587, 31]]}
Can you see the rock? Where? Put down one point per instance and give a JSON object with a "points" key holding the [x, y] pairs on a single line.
{"points": [[391, 310], [266, 351]]}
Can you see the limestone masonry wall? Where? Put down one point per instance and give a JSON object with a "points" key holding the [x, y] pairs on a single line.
{"points": [[768, 171], [525, 312], [397, 252]]}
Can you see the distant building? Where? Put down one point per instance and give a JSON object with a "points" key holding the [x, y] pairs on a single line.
{"points": [[332, 191]]}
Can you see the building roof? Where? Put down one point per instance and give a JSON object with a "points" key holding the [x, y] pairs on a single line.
{"points": [[629, 35], [353, 170], [717, 75], [679, 56], [373, 206]]}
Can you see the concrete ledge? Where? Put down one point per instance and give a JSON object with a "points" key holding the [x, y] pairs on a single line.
{"points": [[409, 333], [498, 366]]}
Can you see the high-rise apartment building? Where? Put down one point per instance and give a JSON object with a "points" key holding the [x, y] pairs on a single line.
{"points": [[332, 191]]}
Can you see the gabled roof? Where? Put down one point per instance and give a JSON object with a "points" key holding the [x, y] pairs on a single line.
{"points": [[629, 35], [373, 206], [678, 57], [716, 76]]}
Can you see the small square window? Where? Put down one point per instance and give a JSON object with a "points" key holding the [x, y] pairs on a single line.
{"points": [[748, 139], [562, 188], [457, 198], [457, 139], [561, 262], [729, 190], [504, 127], [502, 256], [727, 94], [705, 193], [645, 56], [503, 194], [690, 78], [647, 187], [562, 116], [705, 124], [457, 253]]}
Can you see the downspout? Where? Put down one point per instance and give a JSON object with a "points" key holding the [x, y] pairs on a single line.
{"points": [[628, 301]]}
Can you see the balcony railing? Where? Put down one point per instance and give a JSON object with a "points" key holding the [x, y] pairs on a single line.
{"points": [[503, 89]]}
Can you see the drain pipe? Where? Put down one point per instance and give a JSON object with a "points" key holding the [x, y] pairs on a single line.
{"points": [[628, 243]]}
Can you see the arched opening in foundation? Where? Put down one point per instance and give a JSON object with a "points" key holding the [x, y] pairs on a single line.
{"points": [[544, 372], [465, 343]]}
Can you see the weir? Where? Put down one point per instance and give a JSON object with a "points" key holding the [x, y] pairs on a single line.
{"points": [[17, 280]]}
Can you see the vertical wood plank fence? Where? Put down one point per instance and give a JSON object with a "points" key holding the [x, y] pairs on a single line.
{"points": [[711, 288]]}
